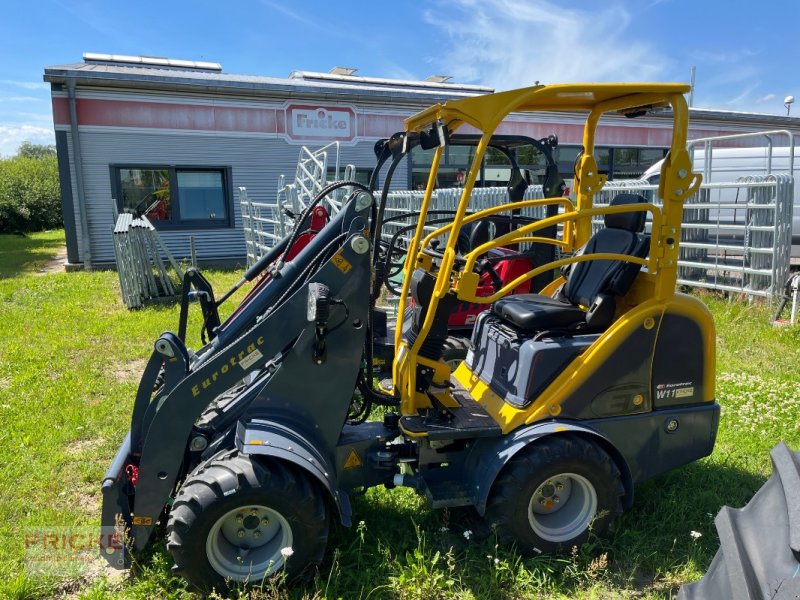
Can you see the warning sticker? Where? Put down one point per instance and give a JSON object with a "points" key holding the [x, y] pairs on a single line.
{"points": [[341, 263], [352, 461]]}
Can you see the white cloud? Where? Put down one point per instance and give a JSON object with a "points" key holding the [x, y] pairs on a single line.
{"points": [[11, 136], [743, 97], [764, 99], [394, 71], [42, 119], [19, 99], [27, 85], [513, 43], [748, 98], [288, 12]]}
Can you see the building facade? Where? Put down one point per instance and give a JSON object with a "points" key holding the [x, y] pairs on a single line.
{"points": [[178, 139]]}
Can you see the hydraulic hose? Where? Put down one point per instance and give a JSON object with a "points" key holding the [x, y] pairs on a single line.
{"points": [[316, 200]]}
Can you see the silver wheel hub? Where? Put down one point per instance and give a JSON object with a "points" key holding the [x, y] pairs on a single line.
{"points": [[249, 543], [454, 363], [562, 507]]}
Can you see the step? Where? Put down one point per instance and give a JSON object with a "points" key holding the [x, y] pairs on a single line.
{"points": [[469, 420]]}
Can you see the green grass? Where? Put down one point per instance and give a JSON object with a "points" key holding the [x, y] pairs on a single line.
{"points": [[71, 355], [25, 253]]}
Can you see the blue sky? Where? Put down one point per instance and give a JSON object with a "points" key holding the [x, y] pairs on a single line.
{"points": [[746, 54]]}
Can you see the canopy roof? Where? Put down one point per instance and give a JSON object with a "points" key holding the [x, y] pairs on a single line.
{"points": [[486, 111]]}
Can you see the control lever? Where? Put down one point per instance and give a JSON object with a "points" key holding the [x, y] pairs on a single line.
{"points": [[485, 266]]}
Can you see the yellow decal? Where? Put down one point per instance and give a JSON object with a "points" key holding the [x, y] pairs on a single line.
{"points": [[352, 461], [341, 263], [245, 359], [142, 520]]}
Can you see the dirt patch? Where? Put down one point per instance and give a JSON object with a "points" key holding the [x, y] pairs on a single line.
{"points": [[57, 264], [88, 502], [79, 447], [129, 371], [94, 570]]}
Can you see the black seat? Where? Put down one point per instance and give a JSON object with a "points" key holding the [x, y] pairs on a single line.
{"points": [[587, 298]]}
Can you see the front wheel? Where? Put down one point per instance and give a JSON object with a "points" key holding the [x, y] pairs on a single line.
{"points": [[239, 519], [550, 495]]}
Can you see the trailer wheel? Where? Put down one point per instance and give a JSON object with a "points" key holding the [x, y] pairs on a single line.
{"points": [[455, 351], [238, 519], [548, 497]]}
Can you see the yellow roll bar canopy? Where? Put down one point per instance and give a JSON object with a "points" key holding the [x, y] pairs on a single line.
{"points": [[485, 113]]}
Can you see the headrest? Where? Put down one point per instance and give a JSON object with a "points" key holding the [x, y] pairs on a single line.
{"points": [[632, 221]]}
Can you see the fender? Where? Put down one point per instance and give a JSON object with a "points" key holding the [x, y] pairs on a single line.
{"points": [[268, 438], [490, 456]]}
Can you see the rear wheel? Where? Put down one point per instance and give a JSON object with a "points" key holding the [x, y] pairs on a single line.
{"points": [[237, 520], [549, 496], [455, 351]]}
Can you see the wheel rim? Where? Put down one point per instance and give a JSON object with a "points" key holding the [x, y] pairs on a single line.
{"points": [[245, 544], [454, 363], [562, 507]]}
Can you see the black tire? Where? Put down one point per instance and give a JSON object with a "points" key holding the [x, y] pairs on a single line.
{"points": [[455, 350], [759, 554], [525, 507], [265, 502]]}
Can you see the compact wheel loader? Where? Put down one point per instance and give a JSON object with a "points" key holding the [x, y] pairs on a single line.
{"points": [[243, 449]]}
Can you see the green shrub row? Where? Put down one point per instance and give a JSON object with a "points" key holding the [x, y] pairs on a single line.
{"points": [[30, 197]]}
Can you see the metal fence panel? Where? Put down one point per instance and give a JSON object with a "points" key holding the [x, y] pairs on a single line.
{"points": [[735, 236]]}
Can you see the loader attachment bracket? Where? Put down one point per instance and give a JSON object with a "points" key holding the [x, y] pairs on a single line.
{"points": [[196, 288]]}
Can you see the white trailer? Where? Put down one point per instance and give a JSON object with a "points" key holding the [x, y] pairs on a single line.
{"points": [[728, 164]]}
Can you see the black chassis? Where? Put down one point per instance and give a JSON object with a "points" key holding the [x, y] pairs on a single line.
{"points": [[295, 400]]}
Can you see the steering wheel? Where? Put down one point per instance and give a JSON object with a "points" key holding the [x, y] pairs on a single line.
{"points": [[434, 253], [482, 266]]}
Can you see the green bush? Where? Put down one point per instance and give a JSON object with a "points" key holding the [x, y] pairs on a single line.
{"points": [[30, 197]]}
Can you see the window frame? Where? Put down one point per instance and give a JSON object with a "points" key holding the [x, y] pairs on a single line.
{"points": [[366, 172], [175, 222]]}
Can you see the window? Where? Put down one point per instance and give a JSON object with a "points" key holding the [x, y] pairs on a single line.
{"points": [[175, 197], [565, 158], [453, 169], [630, 163], [360, 174]]}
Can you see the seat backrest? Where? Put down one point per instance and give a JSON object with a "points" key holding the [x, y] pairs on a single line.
{"points": [[621, 235]]}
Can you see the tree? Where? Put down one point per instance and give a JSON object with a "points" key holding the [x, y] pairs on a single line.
{"points": [[30, 196], [30, 150]]}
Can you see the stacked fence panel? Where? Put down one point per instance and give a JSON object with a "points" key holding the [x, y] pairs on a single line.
{"points": [[141, 254], [736, 237]]}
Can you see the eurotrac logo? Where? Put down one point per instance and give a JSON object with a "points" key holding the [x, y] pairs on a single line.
{"points": [[320, 123]]}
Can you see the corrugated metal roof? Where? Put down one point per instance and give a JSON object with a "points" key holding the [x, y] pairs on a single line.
{"points": [[782, 121], [429, 84], [327, 86], [308, 83]]}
